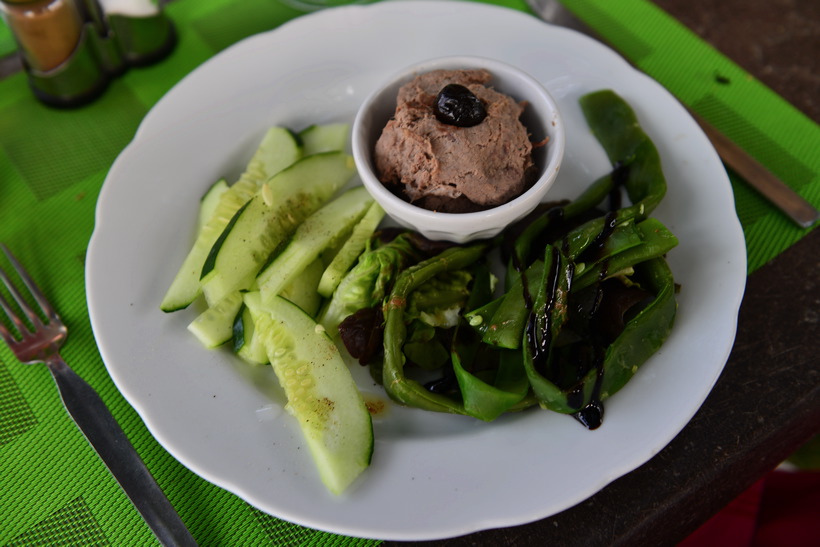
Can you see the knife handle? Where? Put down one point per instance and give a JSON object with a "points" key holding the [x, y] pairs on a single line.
{"points": [[760, 178], [106, 437], [755, 174]]}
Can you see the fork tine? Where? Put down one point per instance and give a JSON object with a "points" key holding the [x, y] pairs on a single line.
{"points": [[32, 287], [4, 332], [10, 313]]}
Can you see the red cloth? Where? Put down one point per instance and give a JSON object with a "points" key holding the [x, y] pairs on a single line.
{"points": [[781, 509]]}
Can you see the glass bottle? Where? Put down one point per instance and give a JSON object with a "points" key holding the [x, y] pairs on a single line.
{"points": [[63, 70], [47, 31]]}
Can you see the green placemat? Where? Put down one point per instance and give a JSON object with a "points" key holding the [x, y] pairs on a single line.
{"points": [[53, 488], [764, 124]]}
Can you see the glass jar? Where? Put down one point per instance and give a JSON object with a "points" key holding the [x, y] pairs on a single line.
{"points": [[47, 31]]}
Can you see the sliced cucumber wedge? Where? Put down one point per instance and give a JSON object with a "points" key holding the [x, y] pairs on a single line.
{"points": [[350, 251], [248, 345], [311, 238], [324, 138], [301, 290], [278, 149], [186, 286], [267, 222], [293, 274], [209, 202], [214, 326], [320, 390]]}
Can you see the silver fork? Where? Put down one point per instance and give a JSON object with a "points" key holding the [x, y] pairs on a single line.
{"points": [[34, 340]]}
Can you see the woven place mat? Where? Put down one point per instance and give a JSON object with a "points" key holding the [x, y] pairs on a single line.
{"points": [[770, 129], [53, 488]]}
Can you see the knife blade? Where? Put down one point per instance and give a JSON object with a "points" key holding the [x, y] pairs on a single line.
{"points": [[732, 155]]}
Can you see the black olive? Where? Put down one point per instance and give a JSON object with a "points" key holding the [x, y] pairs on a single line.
{"points": [[457, 105]]}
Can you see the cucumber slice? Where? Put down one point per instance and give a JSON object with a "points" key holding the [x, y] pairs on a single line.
{"points": [[324, 138], [214, 326], [321, 392], [266, 223], [248, 345], [301, 291], [278, 149], [186, 286], [302, 288], [350, 251], [311, 238], [209, 203], [329, 253], [230, 320]]}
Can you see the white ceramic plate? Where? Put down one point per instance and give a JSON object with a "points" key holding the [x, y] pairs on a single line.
{"points": [[432, 475]]}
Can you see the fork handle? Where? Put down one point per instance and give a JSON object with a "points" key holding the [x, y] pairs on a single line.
{"points": [[106, 437]]}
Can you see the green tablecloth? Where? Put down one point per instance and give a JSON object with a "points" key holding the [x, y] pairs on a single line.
{"points": [[53, 488]]}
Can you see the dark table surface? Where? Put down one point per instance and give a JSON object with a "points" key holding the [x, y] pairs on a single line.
{"points": [[767, 401]]}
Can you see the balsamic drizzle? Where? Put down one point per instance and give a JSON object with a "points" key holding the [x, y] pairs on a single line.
{"points": [[595, 249], [539, 325], [443, 385], [538, 332], [591, 416], [522, 272], [620, 174]]}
